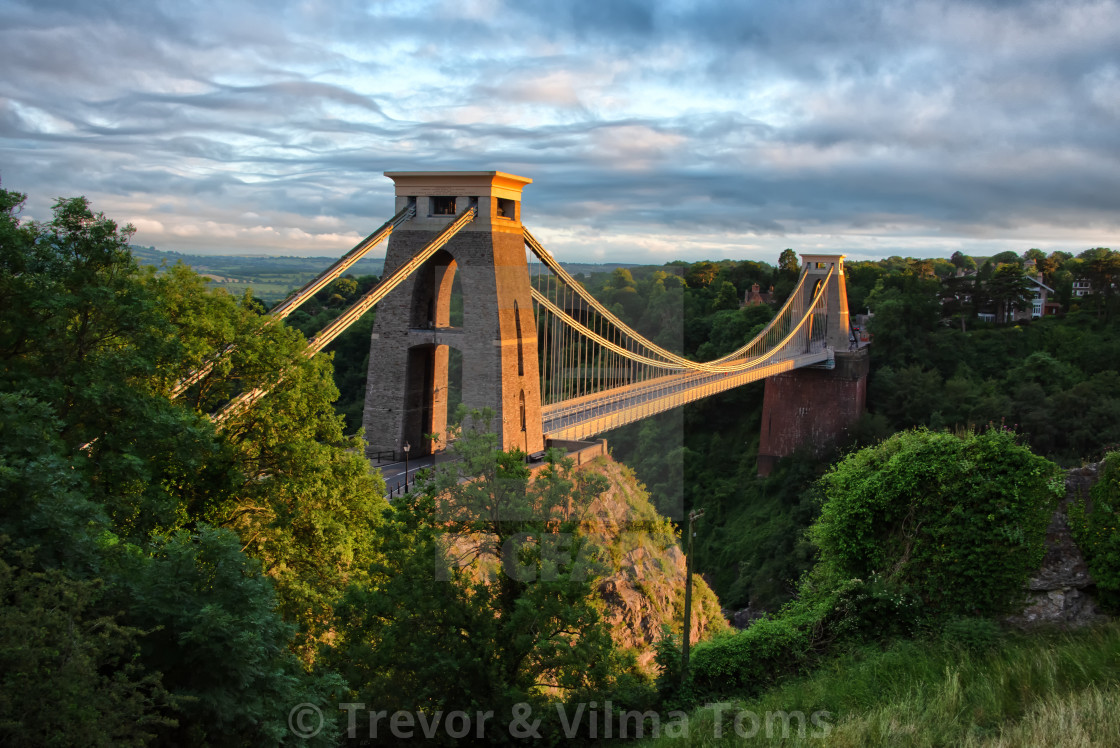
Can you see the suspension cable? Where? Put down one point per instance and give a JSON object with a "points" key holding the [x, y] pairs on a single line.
{"points": [[297, 298], [355, 311]]}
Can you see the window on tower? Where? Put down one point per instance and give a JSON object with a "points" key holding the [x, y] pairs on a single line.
{"points": [[442, 206]]}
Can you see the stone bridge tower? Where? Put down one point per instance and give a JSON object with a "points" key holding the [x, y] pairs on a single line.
{"points": [[407, 383], [816, 407]]}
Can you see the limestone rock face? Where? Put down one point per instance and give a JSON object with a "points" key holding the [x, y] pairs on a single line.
{"points": [[646, 588], [1060, 593]]}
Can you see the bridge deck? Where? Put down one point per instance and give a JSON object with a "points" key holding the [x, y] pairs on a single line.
{"points": [[593, 414]]}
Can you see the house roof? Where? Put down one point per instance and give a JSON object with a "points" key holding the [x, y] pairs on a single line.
{"points": [[1037, 282]]}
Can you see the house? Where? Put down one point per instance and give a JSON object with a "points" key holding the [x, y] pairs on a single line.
{"points": [[754, 297], [1041, 306]]}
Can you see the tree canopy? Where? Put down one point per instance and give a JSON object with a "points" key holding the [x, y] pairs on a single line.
{"points": [[216, 557]]}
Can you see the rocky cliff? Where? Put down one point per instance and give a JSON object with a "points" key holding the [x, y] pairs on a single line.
{"points": [[644, 585], [1061, 592], [646, 588]]}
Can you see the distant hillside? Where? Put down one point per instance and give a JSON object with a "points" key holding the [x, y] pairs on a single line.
{"points": [[272, 277]]}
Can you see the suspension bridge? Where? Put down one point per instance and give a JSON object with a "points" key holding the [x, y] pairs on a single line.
{"points": [[551, 362]]}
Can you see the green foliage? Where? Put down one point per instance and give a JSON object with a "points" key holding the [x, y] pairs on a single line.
{"points": [[481, 551], [987, 371], [957, 521], [1010, 290], [975, 634], [350, 349], [906, 308], [70, 675], [667, 655], [869, 609], [962, 261], [752, 660], [45, 507], [216, 638], [828, 614], [1101, 266], [788, 262], [727, 298], [1096, 528], [115, 489], [750, 544]]}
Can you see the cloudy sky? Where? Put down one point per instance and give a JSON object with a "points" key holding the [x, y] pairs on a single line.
{"points": [[653, 130]]}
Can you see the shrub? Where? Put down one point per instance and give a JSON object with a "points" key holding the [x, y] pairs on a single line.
{"points": [[748, 661], [872, 610], [959, 522]]}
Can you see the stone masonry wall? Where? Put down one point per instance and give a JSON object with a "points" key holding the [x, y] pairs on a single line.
{"points": [[1061, 592], [811, 407]]}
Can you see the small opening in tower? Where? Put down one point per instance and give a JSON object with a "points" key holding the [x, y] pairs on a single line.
{"points": [[505, 208], [411, 202], [454, 382], [442, 206]]}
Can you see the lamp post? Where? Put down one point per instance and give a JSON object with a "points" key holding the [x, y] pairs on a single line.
{"points": [[692, 517], [406, 447]]}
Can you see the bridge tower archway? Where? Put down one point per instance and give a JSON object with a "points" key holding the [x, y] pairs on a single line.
{"points": [[407, 380]]}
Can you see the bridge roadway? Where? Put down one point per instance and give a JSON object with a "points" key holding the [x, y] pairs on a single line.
{"points": [[579, 418]]}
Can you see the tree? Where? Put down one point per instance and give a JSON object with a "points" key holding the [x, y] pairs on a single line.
{"points": [[499, 560], [962, 261], [1102, 267], [107, 478], [905, 306], [957, 299], [908, 396], [1006, 258], [1050, 265], [727, 298], [622, 278], [214, 635], [70, 674], [788, 263], [701, 274], [1010, 290]]}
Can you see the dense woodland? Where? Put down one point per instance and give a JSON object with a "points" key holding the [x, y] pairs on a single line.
{"points": [[165, 581]]}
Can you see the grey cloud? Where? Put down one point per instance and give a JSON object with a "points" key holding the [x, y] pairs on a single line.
{"points": [[873, 114]]}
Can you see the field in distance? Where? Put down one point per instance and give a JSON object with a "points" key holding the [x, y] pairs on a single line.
{"points": [[273, 277]]}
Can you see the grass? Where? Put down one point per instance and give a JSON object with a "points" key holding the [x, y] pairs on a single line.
{"points": [[1050, 689]]}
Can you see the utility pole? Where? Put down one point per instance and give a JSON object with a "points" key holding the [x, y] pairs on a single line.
{"points": [[407, 447], [692, 517]]}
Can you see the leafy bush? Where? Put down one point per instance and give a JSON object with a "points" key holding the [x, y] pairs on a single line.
{"points": [[1096, 528], [751, 660], [957, 521], [874, 610]]}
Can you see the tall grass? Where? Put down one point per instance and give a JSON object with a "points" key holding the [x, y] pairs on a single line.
{"points": [[1043, 690]]}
